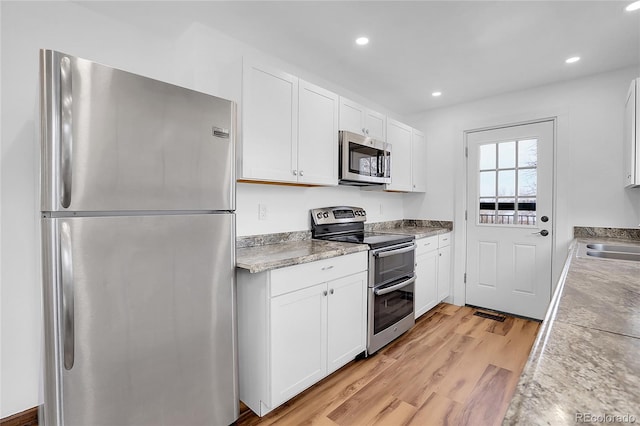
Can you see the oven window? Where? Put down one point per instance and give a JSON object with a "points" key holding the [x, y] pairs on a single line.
{"points": [[391, 268], [368, 161], [392, 307]]}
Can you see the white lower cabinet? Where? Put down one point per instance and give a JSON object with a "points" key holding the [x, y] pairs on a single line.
{"points": [[433, 276], [296, 325]]}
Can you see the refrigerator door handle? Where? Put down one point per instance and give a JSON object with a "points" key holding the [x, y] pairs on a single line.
{"points": [[68, 337], [66, 127]]}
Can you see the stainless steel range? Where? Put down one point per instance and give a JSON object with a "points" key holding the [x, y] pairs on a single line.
{"points": [[391, 270]]}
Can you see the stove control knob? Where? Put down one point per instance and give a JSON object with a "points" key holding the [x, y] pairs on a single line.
{"points": [[319, 215], [362, 213], [325, 214]]}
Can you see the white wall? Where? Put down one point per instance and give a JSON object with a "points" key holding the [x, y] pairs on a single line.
{"points": [[199, 58], [589, 157]]}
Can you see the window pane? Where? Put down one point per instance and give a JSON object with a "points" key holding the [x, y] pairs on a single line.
{"points": [[487, 210], [527, 211], [506, 211], [488, 156], [488, 184], [506, 155], [527, 182], [506, 183], [528, 153]]}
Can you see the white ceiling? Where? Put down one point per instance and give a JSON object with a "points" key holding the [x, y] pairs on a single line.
{"points": [[466, 49]]}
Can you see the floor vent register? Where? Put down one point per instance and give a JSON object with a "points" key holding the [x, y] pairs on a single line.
{"points": [[490, 316]]}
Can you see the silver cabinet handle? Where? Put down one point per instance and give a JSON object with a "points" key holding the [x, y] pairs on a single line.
{"points": [[301, 172], [331, 291], [324, 292], [394, 252], [325, 268], [364, 130], [68, 321], [66, 131], [367, 131], [295, 172], [382, 291]]}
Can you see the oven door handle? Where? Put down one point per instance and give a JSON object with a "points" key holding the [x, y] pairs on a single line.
{"points": [[394, 252], [381, 291]]}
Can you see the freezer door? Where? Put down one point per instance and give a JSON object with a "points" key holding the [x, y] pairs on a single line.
{"points": [[143, 330], [112, 140]]}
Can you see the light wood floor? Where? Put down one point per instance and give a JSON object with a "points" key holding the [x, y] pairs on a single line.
{"points": [[452, 368]]}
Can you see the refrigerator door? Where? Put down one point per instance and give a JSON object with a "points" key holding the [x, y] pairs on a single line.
{"points": [[142, 329], [112, 140]]}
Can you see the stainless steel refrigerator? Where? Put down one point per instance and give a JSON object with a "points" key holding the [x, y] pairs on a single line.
{"points": [[138, 241]]}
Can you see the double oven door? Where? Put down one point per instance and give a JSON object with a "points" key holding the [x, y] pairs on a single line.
{"points": [[391, 291]]}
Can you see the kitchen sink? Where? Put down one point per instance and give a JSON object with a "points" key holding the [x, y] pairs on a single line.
{"points": [[610, 247], [614, 255], [609, 251]]}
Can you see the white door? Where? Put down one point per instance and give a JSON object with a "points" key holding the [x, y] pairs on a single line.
{"points": [[298, 341], [351, 116], [347, 320], [399, 136], [317, 135], [426, 288], [269, 124], [509, 240], [375, 125]]}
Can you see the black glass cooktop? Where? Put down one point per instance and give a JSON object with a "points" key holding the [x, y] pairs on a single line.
{"points": [[373, 239]]}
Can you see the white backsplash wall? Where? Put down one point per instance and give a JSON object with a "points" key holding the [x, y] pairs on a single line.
{"points": [[287, 207]]}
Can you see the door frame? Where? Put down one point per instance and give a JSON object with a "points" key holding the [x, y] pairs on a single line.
{"points": [[557, 243]]}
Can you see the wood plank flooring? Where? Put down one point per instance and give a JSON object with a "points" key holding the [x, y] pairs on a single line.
{"points": [[452, 368]]}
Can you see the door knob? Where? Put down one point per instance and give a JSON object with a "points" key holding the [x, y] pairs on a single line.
{"points": [[544, 219], [544, 233]]}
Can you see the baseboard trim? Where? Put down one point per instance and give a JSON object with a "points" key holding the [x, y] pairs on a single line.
{"points": [[26, 418]]}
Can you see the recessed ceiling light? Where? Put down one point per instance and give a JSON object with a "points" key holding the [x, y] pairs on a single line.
{"points": [[633, 6], [362, 41], [436, 94], [573, 59]]}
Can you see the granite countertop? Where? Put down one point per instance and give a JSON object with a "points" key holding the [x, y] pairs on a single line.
{"points": [[585, 360], [271, 256], [416, 231]]}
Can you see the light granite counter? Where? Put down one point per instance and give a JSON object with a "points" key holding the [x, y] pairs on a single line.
{"points": [[272, 256], [585, 361], [417, 231]]}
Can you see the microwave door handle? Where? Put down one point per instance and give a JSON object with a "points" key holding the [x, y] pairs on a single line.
{"points": [[394, 252], [382, 291]]}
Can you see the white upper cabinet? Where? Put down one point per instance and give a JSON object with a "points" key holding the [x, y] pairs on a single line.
{"points": [[399, 136], [358, 119], [418, 161], [269, 141], [289, 129], [317, 135], [632, 136]]}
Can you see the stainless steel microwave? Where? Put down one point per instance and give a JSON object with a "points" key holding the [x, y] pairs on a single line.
{"points": [[363, 161]]}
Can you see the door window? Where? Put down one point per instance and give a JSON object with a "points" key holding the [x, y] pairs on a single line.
{"points": [[508, 180]]}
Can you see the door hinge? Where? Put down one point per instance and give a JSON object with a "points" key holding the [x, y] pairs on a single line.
{"points": [[465, 277], [466, 151]]}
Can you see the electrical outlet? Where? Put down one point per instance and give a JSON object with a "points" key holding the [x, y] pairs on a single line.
{"points": [[262, 212]]}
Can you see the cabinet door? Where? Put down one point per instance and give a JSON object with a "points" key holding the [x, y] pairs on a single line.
{"points": [[347, 319], [351, 116], [269, 124], [298, 341], [317, 135], [426, 281], [418, 161], [444, 272], [399, 136], [375, 125]]}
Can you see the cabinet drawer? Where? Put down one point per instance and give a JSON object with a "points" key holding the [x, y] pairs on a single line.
{"points": [[296, 277], [427, 244], [444, 239]]}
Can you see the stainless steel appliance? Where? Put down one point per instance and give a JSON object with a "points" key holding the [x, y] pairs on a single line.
{"points": [[138, 238], [363, 161], [391, 271]]}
